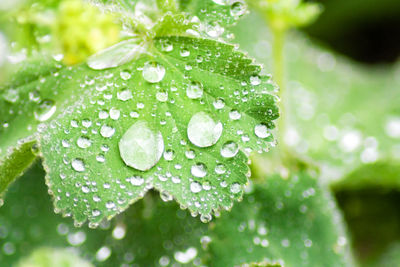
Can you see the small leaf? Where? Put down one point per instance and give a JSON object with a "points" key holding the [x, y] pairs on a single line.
{"points": [[14, 164]]}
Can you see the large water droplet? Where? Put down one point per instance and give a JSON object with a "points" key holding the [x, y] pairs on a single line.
{"points": [[203, 131], [141, 147], [194, 90], [153, 72], [199, 170], [116, 55], [229, 149], [45, 110]]}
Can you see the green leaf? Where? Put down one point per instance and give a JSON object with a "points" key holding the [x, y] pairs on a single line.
{"points": [[291, 221], [154, 232], [15, 164], [53, 257], [330, 99], [148, 233], [216, 14], [183, 91]]}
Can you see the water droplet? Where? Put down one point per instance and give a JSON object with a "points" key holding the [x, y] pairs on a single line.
{"points": [[141, 147], [255, 80], [220, 169], [184, 52], [114, 113], [195, 187], [45, 110], [162, 96], [153, 72], [103, 114], [203, 131], [229, 149], [84, 142], [169, 154], [78, 165], [190, 154], [110, 205], [194, 90], [136, 180], [205, 218], [219, 103], [11, 95], [107, 131], [167, 46], [235, 115], [86, 123], [261, 130], [116, 55], [238, 8], [235, 188], [95, 213], [124, 95], [125, 75], [199, 170]]}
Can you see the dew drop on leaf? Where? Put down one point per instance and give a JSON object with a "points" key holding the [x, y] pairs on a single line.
{"points": [[136, 180], [78, 165], [235, 115], [220, 169], [107, 131], [255, 80], [195, 187], [141, 147], [125, 75], [203, 131], [238, 8], [153, 72], [83, 142], [235, 188], [45, 110], [199, 170], [114, 113], [229, 149], [261, 131], [219, 103], [124, 95], [169, 154], [11, 95], [194, 90], [162, 96]]}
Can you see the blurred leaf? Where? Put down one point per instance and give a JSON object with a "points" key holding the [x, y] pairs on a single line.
{"points": [[150, 232], [286, 14], [341, 114], [373, 217], [14, 164], [49, 257], [291, 221]]}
